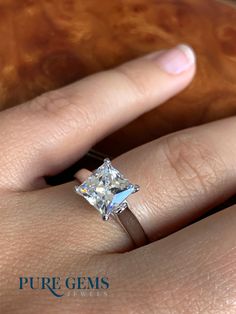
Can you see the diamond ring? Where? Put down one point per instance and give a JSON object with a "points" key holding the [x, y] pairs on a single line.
{"points": [[107, 190]]}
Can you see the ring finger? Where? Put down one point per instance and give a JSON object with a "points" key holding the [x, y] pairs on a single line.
{"points": [[181, 176]]}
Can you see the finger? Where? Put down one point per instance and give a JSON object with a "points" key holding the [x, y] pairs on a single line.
{"points": [[192, 271], [47, 134], [82, 175], [181, 176]]}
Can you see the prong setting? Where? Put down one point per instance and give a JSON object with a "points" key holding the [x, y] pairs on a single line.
{"points": [[107, 161], [105, 217], [136, 188], [76, 188]]}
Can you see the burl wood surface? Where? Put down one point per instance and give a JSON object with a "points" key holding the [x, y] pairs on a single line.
{"points": [[46, 44]]}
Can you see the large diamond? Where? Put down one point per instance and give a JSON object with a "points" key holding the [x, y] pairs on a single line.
{"points": [[106, 189]]}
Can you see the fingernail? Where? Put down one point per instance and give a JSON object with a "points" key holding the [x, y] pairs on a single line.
{"points": [[175, 60]]}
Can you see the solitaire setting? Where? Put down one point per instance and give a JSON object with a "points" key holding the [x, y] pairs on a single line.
{"points": [[107, 190]]}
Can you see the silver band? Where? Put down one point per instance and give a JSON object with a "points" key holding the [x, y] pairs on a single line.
{"points": [[132, 226]]}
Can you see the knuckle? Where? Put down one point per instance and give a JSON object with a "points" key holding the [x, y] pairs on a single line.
{"points": [[134, 83], [67, 111], [197, 166]]}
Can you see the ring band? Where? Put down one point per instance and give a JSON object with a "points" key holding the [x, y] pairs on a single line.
{"points": [[107, 189], [132, 226]]}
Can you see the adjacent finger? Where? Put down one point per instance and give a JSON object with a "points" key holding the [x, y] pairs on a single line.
{"points": [[47, 134]]}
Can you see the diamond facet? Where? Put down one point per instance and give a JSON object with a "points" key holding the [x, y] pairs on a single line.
{"points": [[106, 189]]}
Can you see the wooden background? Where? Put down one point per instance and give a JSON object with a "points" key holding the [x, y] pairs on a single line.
{"points": [[47, 44]]}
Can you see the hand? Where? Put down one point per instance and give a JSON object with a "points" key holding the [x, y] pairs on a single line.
{"points": [[51, 232]]}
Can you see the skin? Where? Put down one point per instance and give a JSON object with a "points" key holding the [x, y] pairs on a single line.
{"points": [[51, 231]]}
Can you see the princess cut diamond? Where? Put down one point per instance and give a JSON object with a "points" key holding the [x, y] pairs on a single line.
{"points": [[106, 189]]}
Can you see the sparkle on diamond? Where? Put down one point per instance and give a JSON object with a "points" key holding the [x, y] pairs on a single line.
{"points": [[106, 189]]}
